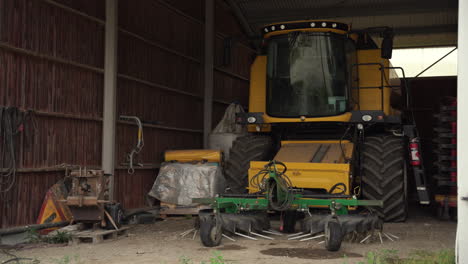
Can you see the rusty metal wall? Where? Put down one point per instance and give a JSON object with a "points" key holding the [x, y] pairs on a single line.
{"points": [[51, 63], [51, 52], [21, 205], [161, 44]]}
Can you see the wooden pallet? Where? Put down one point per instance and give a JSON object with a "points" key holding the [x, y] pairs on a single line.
{"points": [[173, 209], [97, 236]]}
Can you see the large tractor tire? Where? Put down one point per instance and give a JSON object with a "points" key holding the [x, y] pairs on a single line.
{"points": [[384, 175], [245, 149]]}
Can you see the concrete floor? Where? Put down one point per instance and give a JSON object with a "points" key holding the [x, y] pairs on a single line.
{"points": [[161, 243]]}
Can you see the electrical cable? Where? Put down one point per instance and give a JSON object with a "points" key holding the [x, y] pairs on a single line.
{"points": [[8, 162], [257, 180], [343, 188], [12, 123]]}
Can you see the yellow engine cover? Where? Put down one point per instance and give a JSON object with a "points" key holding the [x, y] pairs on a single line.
{"points": [[191, 155]]}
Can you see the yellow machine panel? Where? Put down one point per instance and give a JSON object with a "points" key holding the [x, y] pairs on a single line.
{"points": [[312, 164], [327, 151], [371, 76], [309, 175], [257, 91]]}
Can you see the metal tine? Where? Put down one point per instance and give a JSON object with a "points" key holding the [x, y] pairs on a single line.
{"points": [[320, 242], [194, 234], [310, 238], [260, 235], [367, 237], [272, 232], [385, 234], [228, 237], [301, 236], [186, 231], [380, 236], [183, 234], [354, 236], [392, 235], [296, 234], [246, 236]]}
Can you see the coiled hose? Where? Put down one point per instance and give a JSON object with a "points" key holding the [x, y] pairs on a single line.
{"points": [[271, 187], [12, 123]]}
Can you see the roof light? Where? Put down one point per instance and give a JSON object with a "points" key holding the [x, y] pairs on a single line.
{"points": [[272, 28], [334, 25], [266, 30], [282, 27], [324, 24], [312, 24]]}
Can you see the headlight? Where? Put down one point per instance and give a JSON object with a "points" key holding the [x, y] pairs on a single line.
{"points": [[251, 120], [366, 118]]}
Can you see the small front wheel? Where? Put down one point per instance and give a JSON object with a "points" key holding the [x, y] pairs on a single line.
{"points": [[333, 236], [210, 231]]}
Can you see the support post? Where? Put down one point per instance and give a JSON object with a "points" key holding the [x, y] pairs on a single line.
{"points": [[110, 95], [208, 80], [462, 140]]}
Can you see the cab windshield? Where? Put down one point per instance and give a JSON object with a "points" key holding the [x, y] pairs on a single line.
{"points": [[307, 74]]}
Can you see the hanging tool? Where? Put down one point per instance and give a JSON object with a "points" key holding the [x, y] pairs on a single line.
{"points": [[139, 145]]}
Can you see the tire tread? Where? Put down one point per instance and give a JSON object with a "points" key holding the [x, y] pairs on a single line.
{"points": [[245, 149], [383, 175]]}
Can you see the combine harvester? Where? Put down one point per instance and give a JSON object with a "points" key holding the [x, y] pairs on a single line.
{"points": [[331, 140]]}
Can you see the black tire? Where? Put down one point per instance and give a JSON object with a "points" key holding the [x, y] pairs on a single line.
{"points": [[333, 236], [384, 176], [116, 212], [289, 221], [210, 231], [245, 149]]}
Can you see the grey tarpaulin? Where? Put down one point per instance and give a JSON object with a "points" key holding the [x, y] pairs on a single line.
{"points": [[227, 130], [179, 183], [228, 123]]}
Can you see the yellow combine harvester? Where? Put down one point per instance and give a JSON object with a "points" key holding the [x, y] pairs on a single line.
{"points": [[326, 105], [326, 101]]}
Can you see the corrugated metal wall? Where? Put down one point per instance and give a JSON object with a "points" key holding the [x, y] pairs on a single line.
{"points": [[51, 57]]}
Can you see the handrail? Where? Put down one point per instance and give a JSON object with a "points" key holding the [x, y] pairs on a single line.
{"points": [[381, 87]]}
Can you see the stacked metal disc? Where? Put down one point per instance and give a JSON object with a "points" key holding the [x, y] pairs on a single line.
{"points": [[445, 155]]}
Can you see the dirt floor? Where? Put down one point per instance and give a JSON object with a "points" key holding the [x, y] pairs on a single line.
{"points": [[161, 243]]}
